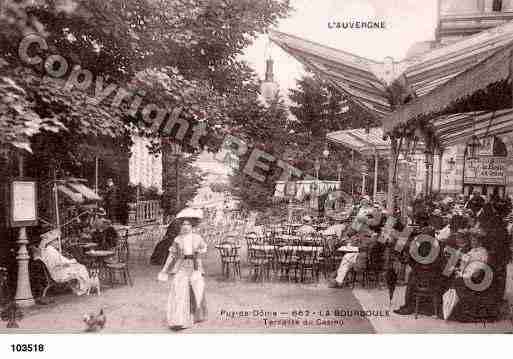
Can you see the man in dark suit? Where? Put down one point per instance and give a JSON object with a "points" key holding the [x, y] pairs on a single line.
{"points": [[111, 198]]}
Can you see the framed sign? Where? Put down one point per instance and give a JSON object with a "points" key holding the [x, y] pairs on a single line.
{"points": [[486, 170], [23, 203]]}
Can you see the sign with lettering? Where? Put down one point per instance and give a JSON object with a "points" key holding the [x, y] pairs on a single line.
{"points": [[485, 170], [23, 209]]}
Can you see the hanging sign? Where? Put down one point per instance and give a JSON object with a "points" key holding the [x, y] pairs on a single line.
{"points": [[23, 206], [486, 170]]}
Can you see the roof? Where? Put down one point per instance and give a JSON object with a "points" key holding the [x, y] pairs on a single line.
{"points": [[78, 192], [460, 127], [361, 141], [366, 82], [356, 76], [479, 77]]}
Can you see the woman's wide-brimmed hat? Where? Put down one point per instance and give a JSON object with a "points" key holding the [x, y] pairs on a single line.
{"points": [[190, 213]]}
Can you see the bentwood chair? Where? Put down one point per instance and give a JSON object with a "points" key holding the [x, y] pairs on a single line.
{"points": [[120, 265], [286, 261], [259, 264], [308, 265], [230, 259], [326, 261]]}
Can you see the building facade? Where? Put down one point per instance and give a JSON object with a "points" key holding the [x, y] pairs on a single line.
{"points": [[459, 18], [145, 168]]}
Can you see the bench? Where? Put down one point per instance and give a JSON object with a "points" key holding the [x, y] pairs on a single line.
{"points": [[49, 281]]}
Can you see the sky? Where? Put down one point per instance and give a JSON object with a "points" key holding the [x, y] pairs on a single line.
{"points": [[406, 21]]}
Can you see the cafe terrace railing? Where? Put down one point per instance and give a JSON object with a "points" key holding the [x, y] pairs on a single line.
{"points": [[143, 212]]}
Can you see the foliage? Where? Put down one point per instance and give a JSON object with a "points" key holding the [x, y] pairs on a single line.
{"points": [[319, 109], [265, 129], [191, 46], [142, 193], [190, 179], [300, 140], [179, 53]]}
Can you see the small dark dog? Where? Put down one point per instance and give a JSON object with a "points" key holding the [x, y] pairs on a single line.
{"points": [[95, 323]]}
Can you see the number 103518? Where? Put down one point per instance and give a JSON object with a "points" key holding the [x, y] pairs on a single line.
{"points": [[27, 348]]}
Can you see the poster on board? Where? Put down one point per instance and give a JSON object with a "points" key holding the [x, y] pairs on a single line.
{"points": [[23, 196]]}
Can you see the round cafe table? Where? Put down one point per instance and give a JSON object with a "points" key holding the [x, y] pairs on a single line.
{"points": [[263, 247], [227, 246], [88, 245], [98, 258], [287, 237], [302, 248]]}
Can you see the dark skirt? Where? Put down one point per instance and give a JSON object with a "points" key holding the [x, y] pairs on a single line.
{"points": [[474, 306], [161, 252]]}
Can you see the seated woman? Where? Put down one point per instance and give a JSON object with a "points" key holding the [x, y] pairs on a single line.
{"points": [[420, 270], [474, 303], [62, 269], [491, 251]]}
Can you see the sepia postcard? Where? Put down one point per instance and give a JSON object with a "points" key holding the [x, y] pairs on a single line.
{"points": [[255, 166]]}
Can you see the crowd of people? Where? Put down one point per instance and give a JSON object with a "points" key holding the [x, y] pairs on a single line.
{"points": [[457, 249]]}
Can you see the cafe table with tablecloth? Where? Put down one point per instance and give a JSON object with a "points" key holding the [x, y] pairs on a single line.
{"points": [[98, 260]]}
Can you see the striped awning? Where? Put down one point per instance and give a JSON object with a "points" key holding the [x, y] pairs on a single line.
{"points": [[77, 191], [355, 76], [479, 77], [436, 78], [361, 141], [459, 128]]}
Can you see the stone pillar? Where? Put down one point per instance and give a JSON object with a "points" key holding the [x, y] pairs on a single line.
{"points": [[23, 295], [440, 160], [375, 176], [457, 180], [508, 141]]}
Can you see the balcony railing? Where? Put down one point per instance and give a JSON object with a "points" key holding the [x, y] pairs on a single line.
{"points": [[144, 212]]}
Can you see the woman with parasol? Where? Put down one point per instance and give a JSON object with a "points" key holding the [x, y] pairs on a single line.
{"points": [[186, 303]]}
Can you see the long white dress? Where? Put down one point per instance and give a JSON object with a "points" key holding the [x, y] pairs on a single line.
{"points": [[63, 269], [186, 302]]}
